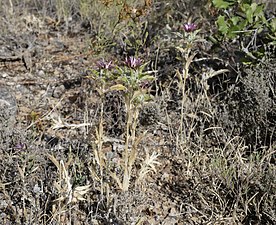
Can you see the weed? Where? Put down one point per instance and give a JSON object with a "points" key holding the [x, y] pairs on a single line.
{"points": [[129, 79]]}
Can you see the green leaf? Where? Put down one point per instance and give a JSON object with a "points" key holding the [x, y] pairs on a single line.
{"points": [[273, 24], [249, 15], [221, 4], [232, 32], [147, 78], [243, 24], [235, 20], [253, 7], [259, 10], [259, 15], [223, 25], [124, 79], [118, 87], [244, 7]]}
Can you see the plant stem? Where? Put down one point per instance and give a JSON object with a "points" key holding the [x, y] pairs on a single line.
{"points": [[183, 85], [126, 172]]}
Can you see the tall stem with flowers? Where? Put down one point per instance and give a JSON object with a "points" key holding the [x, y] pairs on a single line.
{"points": [[134, 83], [188, 35]]}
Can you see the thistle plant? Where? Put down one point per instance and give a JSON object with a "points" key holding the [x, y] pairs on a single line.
{"points": [[134, 82], [188, 37], [132, 79]]}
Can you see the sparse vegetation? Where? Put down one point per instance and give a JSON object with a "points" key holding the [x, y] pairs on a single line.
{"points": [[137, 112]]}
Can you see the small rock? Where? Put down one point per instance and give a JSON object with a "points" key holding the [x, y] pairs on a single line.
{"points": [[4, 75], [58, 91], [41, 73], [36, 189]]}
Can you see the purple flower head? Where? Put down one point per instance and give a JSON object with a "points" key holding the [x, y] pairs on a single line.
{"points": [[102, 64], [189, 27], [133, 62]]}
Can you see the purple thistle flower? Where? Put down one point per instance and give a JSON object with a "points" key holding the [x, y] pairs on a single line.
{"points": [[133, 62], [102, 64], [189, 27]]}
